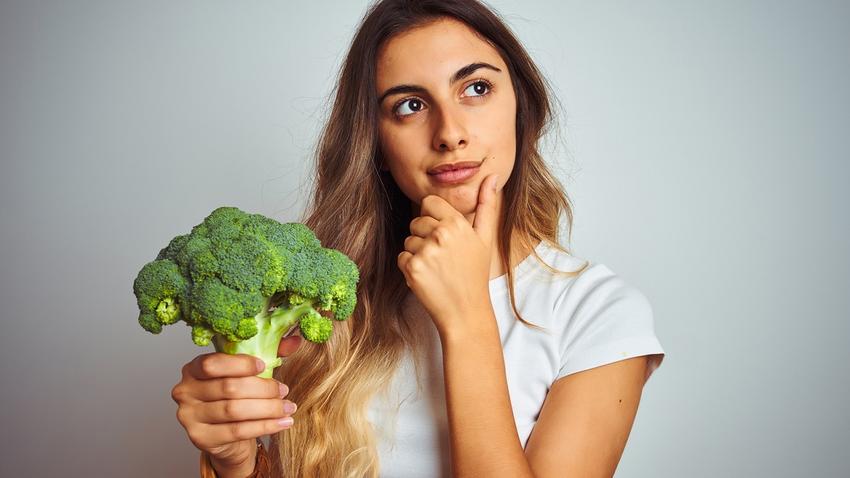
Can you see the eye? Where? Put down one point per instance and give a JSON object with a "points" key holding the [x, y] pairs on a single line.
{"points": [[415, 104], [482, 87], [484, 84]]}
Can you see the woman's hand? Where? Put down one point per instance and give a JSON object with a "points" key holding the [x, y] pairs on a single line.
{"points": [[446, 261], [224, 406]]}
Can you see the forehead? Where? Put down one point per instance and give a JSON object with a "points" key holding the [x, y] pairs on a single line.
{"points": [[433, 51]]}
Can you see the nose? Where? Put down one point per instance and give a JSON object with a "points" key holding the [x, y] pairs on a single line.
{"points": [[450, 133]]}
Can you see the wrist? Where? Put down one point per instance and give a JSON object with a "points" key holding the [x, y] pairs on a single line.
{"points": [[479, 325], [222, 469], [241, 470]]}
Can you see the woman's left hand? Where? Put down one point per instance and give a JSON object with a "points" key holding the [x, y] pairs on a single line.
{"points": [[446, 261]]}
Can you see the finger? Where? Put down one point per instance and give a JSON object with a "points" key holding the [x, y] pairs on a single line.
{"points": [[219, 364], [413, 244], [289, 345], [403, 258], [210, 436], [234, 388], [422, 226], [436, 207], [227, 411], [485, 211]]}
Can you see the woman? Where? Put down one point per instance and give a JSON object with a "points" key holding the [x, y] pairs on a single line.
{"points": [[473, 326]]}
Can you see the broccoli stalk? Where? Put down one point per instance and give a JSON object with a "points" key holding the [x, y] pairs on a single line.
{"points": [[242, 281], [272, 326]]}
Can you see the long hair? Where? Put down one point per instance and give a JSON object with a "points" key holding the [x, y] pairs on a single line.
{"points": [[360, 210]]}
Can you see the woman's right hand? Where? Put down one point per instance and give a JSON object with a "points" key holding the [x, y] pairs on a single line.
{"points": [[224, 406]]}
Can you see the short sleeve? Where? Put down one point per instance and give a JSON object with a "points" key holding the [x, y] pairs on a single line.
{"points": [[609, 321]]}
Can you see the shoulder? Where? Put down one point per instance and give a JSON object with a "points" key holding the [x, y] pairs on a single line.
{"points": [[584, 284], [590, 314], [605, 319], [570, 284]]}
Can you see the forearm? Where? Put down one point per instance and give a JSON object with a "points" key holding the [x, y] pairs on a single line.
{"points": [[483, 434]]}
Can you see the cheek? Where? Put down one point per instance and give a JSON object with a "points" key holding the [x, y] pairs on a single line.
{"points": [[504, 129], [392, 143], [391, 152], [402, 155], [501, 120], [504, 141], [398, 159]]}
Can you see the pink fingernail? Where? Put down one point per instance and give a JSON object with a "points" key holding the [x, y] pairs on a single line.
{"points": [[286, 422]]}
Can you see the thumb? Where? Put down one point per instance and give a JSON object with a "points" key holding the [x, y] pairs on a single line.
{"points": [[486, 213], [289, 345]]}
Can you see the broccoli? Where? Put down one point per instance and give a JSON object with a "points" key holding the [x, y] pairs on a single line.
{"points": [[243, 281]]}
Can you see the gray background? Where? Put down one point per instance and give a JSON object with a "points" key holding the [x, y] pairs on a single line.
{"points": [[703, 143]]}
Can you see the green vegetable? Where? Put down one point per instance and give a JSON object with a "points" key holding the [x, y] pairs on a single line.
{"points": [[243, 281]]}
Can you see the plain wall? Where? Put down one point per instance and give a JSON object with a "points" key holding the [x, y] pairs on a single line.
{"points": [[704, 145]]}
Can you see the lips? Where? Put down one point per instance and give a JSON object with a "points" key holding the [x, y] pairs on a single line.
{"points": [[454, 176], [453, 166]]}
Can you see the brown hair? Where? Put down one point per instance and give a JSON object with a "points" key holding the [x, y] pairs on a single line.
{"points": [[359, 210]]}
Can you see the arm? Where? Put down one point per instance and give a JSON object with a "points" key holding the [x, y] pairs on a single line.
{"points": [[582, 428], [482, 430], [586, 420]]}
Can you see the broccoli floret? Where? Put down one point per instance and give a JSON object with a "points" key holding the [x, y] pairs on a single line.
{"points": [[242, 281]]}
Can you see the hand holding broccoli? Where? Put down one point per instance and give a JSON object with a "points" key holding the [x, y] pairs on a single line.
{"points": [[224, 406]]}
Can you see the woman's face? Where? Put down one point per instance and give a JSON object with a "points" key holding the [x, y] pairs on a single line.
{"points": [[445, 112]]}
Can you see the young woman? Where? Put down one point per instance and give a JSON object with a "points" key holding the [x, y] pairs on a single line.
{"points": [[479, 347]]}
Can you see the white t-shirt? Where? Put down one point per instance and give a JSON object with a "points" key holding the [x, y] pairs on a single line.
{"points": [[593, 319]]}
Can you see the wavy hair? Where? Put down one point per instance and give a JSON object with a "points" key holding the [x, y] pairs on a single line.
{"points": [[358, 209]]}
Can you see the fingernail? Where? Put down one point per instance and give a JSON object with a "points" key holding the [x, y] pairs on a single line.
{"points": [[495, 182], [286, 422], [260, 365], [289, 407], [283, 390]]}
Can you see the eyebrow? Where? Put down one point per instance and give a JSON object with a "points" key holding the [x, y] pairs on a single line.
{"points": [[459, 75]]}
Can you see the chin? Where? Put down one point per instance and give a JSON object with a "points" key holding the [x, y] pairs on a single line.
{"points": [[464, 200], [463, 197]]}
